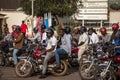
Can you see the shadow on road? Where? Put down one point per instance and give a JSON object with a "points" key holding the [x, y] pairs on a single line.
{"points": [[72, 70], [1, 74]]}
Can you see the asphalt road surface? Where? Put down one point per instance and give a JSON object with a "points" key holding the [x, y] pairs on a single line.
{"points": [[9, 74]]}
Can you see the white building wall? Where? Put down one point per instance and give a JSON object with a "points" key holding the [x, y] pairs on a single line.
{"points": [[14, 17], [114, 17]]}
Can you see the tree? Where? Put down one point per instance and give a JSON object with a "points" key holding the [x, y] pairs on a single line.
{"points": [[115, 6], [56, 7]]}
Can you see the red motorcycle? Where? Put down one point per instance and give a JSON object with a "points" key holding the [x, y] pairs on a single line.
{"points": [[34, 63], [73, 60], [111, 69], [116, 61]]}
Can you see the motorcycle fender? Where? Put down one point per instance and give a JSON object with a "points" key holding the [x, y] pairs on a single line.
{"points": [[103, 64], [22, 58], [87, 61]]}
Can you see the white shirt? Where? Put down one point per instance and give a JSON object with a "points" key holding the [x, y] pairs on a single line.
{"points": [[44, 36], [8, 37], [83, 38], [93, 38], [66, 43], [37, 36], [51, 42], [106, 38]]}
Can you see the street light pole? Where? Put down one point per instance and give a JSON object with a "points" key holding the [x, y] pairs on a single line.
{"points": [[32, 7], [81, 7]]}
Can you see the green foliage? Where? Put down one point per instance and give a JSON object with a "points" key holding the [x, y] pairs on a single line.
{"points": [[57, 7], [115, 6]]}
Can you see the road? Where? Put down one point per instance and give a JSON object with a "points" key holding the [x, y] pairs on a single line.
{"points": [[9, 74]]}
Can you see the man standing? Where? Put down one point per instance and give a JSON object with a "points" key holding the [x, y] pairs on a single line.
{"points": [[24, 28]]}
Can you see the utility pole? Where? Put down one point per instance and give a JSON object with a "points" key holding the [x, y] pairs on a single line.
{"points": [[32, 7]]}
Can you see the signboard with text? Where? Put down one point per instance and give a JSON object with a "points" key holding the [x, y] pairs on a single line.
{"points": [[93, 10]]}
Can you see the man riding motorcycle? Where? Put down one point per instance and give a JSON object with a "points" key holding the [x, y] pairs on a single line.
{"points": [[92, 36], [18, 43], [37, 36], [83, 41], [49, 50], [115, 38], [65, 46], [105, 37]]}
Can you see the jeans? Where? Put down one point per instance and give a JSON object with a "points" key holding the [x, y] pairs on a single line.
{"points": [[15, 52], [58, 52]]}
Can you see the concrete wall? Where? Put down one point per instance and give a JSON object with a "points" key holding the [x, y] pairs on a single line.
{"points": [[14, 17], [114, 17]]}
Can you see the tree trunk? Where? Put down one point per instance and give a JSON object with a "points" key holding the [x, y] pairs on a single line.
{"points": [[60, 22]]}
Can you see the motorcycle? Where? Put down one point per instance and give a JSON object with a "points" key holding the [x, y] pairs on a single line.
{"points": [[73, 60], [97, 66], [87, 67], [34, 63], [114, 62], [107, 70], [6, 50]]}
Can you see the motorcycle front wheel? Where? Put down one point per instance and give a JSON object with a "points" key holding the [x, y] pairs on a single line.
{"points": [[110, 75], [23, 69], [85, 73]]}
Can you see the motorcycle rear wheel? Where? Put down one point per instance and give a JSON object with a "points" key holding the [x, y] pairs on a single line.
{"points": [[62, 71], [26, 70]]}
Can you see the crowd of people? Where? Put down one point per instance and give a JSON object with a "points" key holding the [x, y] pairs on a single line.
{"points": [[61, 42]]}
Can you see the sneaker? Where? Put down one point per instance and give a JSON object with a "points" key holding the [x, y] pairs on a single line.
{"points": [[42, 76]]}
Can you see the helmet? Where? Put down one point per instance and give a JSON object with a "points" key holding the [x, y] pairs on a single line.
{"points": [[115, 27], [49, 30], [103, 29], [67, 30], [43, 27], [35, 29], [83, 28], [18, 28]]}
